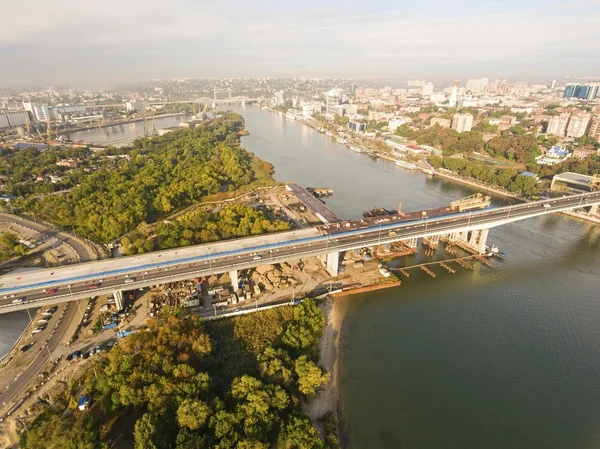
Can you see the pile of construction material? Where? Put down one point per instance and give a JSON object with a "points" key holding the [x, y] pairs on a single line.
{"points": [[274, 276]]}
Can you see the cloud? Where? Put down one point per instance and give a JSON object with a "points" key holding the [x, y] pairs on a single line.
{"points": [[123, 40]]}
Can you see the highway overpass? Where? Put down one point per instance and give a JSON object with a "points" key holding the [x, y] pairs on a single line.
{"points": [[50, 286]]}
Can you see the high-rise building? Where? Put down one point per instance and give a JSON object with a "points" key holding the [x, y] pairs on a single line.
{"points": [[462, 122], [582, 91], [477, 85], [453, 97], [427, 89], [553, 84], [557, 125], [594, 130], [456, 83], [578, 125], [279, 99]]}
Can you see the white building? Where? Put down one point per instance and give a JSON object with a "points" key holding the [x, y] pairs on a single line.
{"points": [[279, 99], [453, 97], [578, 125], [462, 122], [437, 98], [397, 122], [427, 90], [41, 113], [554, 155], [557, 125], [477, 85], [308, 110]]}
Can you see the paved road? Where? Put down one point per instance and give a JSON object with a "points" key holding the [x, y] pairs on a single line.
{"points": [[83, 251], [156, 268], [71, 313]]}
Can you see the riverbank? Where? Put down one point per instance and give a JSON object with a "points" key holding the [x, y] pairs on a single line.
{"points": [[477, 185], [327, 398], [67, 132]]}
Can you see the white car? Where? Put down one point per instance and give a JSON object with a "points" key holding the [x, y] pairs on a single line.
{"points": [[547, 206], [104, 308], [129, 280], [257, 258], [18, 300]]}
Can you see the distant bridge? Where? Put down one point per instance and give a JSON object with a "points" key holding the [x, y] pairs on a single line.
{"points": [[50, 286]]}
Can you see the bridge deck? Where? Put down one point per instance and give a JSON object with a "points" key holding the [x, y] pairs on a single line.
{"points": [[325, 214]]}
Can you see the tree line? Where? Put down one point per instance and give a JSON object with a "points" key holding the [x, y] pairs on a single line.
{"points": [[507, 179], [201, 226], [162, 174], [188, 384], [512, 144]]}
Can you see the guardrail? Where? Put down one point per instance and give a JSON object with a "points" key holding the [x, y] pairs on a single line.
{"points": [[512, 214]]}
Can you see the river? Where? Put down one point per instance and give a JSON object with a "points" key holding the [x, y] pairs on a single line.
{"points": [[122, 135], [505, 357]]}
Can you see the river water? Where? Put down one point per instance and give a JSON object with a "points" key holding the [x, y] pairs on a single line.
{"points": [[506, 357]]}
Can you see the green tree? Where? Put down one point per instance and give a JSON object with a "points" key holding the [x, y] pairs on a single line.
{"points": [[145, 432], [193, 414], [310, 376], [298, 433]]}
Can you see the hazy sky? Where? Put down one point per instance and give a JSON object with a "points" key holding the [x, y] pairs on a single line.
{"points": [[107, 41]]}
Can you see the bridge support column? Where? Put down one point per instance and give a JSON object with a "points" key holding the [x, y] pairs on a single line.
{"points": [[119, 301], [463, 236], [233, 276], [478, 240], [593, 210], [333, 263], [431, 241], [411, 243]]}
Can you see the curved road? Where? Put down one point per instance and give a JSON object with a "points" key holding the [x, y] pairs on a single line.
{"points": [[83, 251], [58, 327]]}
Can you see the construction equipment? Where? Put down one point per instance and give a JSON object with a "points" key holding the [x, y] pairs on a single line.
{"points": [[476, 201]]}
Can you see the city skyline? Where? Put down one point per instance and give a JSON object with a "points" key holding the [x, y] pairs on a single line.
{"points": [[118, 42]]}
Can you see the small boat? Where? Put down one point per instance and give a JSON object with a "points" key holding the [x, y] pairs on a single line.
{"points": [[340, 140], [494, 251], [407, 165], [355, 149], [290, 115]]}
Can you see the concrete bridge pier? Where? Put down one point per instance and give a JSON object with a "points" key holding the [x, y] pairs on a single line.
{"points": [[233, 276], [462, 236], [593, 210], [478, 240], [333, 263], [119, 301], [412, 243], [432, 241]]}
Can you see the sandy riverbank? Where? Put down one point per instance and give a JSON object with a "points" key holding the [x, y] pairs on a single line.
{"points": [[327, 398]]}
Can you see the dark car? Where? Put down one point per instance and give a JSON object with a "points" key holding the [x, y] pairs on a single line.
{"points": [[26, 347], [76, 355]]}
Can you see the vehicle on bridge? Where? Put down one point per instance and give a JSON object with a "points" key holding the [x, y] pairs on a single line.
{"points": [[50, 291]]}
